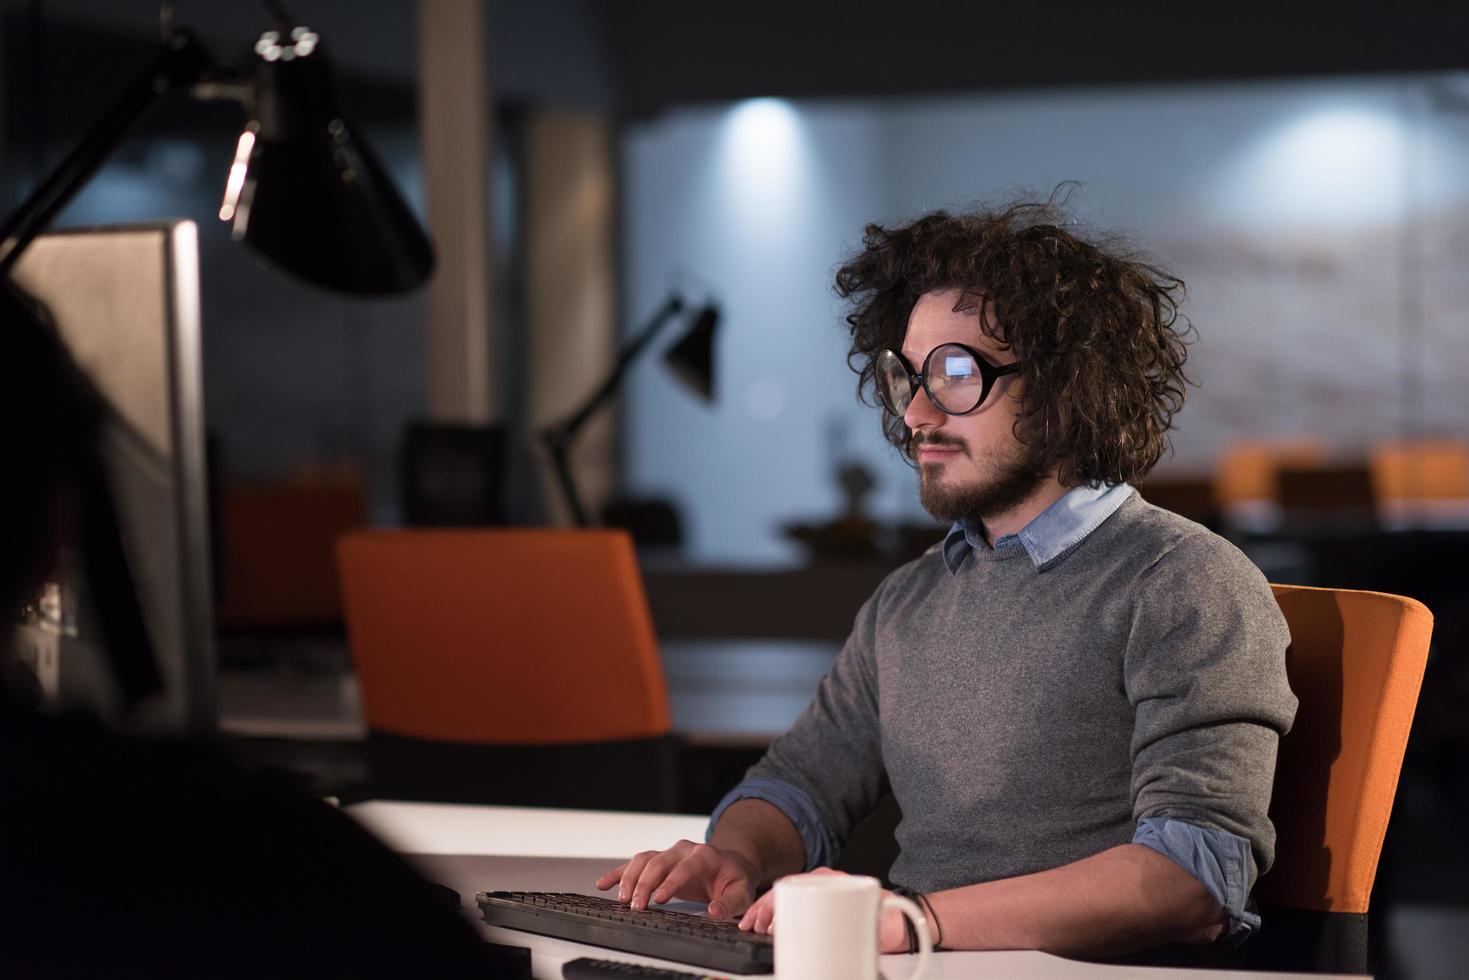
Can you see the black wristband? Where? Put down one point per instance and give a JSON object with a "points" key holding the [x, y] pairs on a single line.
{"points": [[936, 932]]}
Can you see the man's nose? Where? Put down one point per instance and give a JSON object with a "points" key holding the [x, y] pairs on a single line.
{"points": [[921, 412]]}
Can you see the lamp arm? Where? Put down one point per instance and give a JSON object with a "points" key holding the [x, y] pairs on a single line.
{"points": [[560, 449], [559, 437], [181, 62], [629, 353]]}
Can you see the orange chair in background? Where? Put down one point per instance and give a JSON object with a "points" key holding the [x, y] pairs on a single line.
{"points": [[508, 666], [277, 566], [1421, 480], [1356, 662], [1245, 479]]}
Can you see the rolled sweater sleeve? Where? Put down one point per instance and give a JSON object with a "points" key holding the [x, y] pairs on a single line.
{"points": [[831, 758], [1204, 671]]}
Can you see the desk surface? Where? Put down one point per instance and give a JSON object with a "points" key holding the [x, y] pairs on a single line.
{"points": [[479, 848], [522, 831]]}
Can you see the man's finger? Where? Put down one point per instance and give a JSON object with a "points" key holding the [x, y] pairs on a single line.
{"points": [[686, 872], [632, 870], [765, 917], [612, 877], [759, 910], [729, 899], [653, 874]]}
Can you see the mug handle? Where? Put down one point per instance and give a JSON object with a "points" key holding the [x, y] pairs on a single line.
{"points": [[925, 945]]}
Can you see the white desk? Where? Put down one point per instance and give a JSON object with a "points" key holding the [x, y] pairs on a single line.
{"points": [[449, 828], [479, 848]]}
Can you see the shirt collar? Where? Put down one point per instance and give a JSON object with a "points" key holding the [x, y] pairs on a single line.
{"points": [[1053, 533]]}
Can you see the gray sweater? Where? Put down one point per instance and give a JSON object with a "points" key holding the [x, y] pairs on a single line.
{"points": [[1027, 718]]}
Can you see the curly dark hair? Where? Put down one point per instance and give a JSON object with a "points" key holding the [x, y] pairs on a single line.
{"points": [[1100, 342]]}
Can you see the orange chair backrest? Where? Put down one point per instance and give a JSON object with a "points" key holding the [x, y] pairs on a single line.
{"points": [[1428, 470], [502, 636], [1356, 662], [1246, 470], [277, 562]]}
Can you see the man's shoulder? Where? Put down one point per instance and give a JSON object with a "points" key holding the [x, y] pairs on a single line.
{"points": [[1163, 546], [1158, 533]]}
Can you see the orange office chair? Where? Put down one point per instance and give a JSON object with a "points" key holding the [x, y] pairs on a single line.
{"points": [[508, 666], [277, 569], [1424, 479], [1356, 661], [1429, 469], [1246, 473]]}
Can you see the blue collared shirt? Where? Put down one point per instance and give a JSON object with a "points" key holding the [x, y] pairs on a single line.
{"points": [[1051, 535], [1221, 861]]}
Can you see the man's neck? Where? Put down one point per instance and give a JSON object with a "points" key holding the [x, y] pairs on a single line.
{"points": [[1013, 520]]}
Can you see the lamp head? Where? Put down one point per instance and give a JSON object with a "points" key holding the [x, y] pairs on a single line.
{"points": [[307, 192], [692, 358]]}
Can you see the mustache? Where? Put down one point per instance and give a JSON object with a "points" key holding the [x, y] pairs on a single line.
{"points": [[936, 439]]}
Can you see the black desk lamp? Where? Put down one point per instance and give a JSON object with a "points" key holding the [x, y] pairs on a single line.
{"points": [[691, 359], [304, 189]]}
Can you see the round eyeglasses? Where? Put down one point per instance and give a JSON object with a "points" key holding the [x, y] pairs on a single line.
{"points": [[955, 376]]}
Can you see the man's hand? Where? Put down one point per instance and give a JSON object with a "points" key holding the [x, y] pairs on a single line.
{"points": [[892, 937], [688, 871]]}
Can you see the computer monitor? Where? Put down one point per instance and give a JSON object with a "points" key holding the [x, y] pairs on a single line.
{"points": [[125, 301]]}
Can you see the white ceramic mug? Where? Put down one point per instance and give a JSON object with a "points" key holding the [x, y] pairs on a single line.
{"points": [[826, 927]]}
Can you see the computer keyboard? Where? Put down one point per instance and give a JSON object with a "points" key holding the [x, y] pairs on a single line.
{"points": [[592, 969], [668, 935]]}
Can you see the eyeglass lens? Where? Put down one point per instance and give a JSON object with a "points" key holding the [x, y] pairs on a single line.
{"points": [[953, 380], [892, 382]]}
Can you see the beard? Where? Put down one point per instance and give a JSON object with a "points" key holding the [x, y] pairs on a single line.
{"points": [[1010, 484]]}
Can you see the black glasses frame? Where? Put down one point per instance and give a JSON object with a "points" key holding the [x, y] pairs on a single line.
{"points": [[988, 374]]}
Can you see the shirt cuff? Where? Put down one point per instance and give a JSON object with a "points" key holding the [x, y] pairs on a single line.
{"points": [[820, 843], [1218, 859]]}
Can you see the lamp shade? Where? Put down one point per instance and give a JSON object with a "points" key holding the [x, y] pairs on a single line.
{"points": [[692, 358], [305, 189]]}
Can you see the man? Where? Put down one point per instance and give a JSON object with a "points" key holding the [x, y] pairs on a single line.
{"points": [[1077, 697]]}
